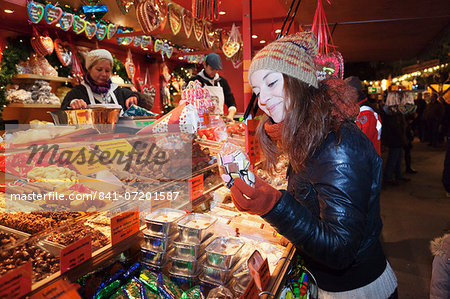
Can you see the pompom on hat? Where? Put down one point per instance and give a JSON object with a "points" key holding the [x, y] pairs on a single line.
{"points": [[96, 55], [292, 55]]}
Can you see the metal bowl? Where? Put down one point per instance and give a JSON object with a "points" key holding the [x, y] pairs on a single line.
{"points": [[103, 119]]}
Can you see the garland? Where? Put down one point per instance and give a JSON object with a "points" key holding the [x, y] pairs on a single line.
{"points": [[119, 69]]}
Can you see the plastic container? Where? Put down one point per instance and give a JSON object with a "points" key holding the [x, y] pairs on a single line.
{"points": [[216, 275], [156, 242], [185, 266], [195, 228], [163, 221], [185, 281], [153, 257], [224, 252], [189, 250]]}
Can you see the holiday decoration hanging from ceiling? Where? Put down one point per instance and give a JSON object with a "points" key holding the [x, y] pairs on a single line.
{"points": [[329, 62]]}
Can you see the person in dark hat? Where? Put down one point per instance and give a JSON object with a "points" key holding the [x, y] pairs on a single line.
{"points": [[369, 119], [217, 86]]}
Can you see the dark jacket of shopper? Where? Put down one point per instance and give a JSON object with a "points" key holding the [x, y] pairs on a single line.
{"points": [[394, 130], [440, 275], [331, 212]]}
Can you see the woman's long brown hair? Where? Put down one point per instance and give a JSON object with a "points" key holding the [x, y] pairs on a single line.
{"points": [[310, 115]]}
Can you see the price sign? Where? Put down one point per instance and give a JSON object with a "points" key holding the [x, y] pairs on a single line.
{"points": [[75, 254], [60, 289], [251, 143], [123, 226], [115, 146], [259, 270], [196, 187], [16, 283]]}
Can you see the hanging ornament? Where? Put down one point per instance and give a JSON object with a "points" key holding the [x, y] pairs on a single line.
{"points": [[137, 41], [148, 90], [329, 62], [52, 13], [233, 44], [146, 41], [148, 15], [124, 5], [129, 66], [208, 34], [198, 29], [112, 29], [90, 29], [174, 19], [42, 45], [35, 12], [101, 31], [188, 22], [65, 21], [163, 9], [165, 48], [124, 40], [63, 52], [79, 24]]}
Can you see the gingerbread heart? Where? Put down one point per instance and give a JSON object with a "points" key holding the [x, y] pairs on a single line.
{"points": [[146, 41], [35, 12], [188, 22], [90, 30], [158, 45], [163, 12], [329, 66], [208, 34], [198, 29], [149, 91], [168, 50], [52, 13], [230, 48], [137, 41], [79, 24], [174, 19], [129, 67], [37, 47], [65, 21], [148, 16], [47, 43], [101, 31], [63, 52], [112, 29], [125, 40]]}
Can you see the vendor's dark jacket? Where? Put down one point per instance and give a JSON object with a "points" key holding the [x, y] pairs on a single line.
{"points": [[331, 212], [80, 92]]}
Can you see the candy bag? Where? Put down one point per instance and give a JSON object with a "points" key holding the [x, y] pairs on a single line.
{"points": [[235, 164]]}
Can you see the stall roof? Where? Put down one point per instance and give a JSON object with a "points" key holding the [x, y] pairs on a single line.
{"points": [[381, 30]]}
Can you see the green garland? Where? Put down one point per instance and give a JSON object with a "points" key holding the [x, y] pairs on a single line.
{"points": [[119, 69]]}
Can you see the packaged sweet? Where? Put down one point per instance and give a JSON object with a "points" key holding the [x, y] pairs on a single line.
{"points": [[167, 289], [220, 292], [235, 164], [193, 293], [138, 111]]}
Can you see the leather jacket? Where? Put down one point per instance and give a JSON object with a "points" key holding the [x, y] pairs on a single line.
{"points": [[331, 211]]}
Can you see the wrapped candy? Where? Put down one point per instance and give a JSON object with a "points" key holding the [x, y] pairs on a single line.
{"points": [[235, 164], [138, 111], [197, 96], [183, 119]]}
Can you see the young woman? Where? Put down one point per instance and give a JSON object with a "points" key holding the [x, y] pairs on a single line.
{"points": [[97, 87], [331, 210]]}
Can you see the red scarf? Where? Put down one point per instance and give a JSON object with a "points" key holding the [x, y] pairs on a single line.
{"points": [[274, 130]]}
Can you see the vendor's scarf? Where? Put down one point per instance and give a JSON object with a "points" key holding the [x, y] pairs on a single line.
{"points": [[97, 88], [274, 130]]}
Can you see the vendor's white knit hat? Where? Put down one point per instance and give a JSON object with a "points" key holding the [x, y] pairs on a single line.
{"points": [[95, 55]]}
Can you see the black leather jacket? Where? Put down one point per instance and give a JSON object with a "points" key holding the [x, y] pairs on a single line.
{"points": [[332, 212]]}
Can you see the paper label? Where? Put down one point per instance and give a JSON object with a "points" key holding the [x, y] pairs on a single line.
{"points": [[196, 187], [259, 270], [251, 142], [75, 254], [16, 283], [113, 146], [123, 226], [60, 289], [86, 161]]}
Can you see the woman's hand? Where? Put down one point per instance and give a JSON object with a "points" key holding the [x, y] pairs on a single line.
{"points": [[130, 101], [78, 104], [258, 200]]}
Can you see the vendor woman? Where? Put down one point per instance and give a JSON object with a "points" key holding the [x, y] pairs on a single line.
{"points": [[97, 87]]}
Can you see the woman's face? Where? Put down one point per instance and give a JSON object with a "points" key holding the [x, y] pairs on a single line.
{"points": [[101, 71], [269, 89]]}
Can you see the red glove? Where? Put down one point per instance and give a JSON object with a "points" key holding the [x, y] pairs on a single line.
{"points": [[258, 200]]}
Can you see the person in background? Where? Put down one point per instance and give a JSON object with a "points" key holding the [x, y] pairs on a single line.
{"points": [[418, 124], [217, 86], [446, 172], [434, 115], [369, 119], [97, 87], [440, 274], [410, 117], [394, 137], [331, 210]]}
